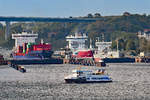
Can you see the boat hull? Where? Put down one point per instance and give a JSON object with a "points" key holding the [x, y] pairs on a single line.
{"points": [[118, 60], [44, 61], [85, 81]]}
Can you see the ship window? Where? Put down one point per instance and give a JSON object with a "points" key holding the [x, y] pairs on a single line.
{"points": [[104, 78], [79, 72], [93, 78]]}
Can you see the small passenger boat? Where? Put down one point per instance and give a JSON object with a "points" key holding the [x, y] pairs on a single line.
{"points": [[88, 76]]}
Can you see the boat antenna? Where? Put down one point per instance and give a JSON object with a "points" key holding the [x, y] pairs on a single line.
{"points": [[103, 37], [117, 45], [90, 43], [97, 39], [42, 41]]}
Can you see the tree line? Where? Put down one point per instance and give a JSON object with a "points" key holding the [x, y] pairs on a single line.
{"points": [[121, 28]]}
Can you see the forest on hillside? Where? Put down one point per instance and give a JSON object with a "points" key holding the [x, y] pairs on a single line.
{"points": [[121, 28]]}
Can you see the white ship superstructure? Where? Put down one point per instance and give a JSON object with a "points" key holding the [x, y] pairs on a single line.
{"points": [[102, 46], [77, 41], [104, 51], [24, 37]]}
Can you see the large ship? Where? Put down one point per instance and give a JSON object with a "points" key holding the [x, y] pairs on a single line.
{"points": [[76, 43], [81, 54], [27, 51], [105, 53]]}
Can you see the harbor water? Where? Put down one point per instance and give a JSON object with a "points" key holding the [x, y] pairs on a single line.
{"points": [[130, 82]]}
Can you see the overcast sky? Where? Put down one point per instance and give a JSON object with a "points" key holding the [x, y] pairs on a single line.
{"points": [[66, 8]]}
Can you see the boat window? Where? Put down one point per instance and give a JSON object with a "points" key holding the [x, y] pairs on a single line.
{"points": [[93, 78], [104, 78], [80, 73]]}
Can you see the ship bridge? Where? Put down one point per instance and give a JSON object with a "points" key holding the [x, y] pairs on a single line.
{"points": [[77, 41], [24, 37]]}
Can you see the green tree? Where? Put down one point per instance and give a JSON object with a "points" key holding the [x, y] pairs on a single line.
{"points": [[90, 15], [130, 45], [97, 15]]}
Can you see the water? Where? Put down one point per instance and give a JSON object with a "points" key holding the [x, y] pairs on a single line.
{"points": [[130, 81]]}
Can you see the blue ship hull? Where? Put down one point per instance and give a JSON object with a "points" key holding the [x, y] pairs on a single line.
{"points": [[44, 61], [34, 55]]}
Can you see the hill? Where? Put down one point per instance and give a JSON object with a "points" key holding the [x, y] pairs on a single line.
{"points": [[111, 28]]}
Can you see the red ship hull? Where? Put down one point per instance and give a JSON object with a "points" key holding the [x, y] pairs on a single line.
{"points": [[83, 54], [33, 52]]}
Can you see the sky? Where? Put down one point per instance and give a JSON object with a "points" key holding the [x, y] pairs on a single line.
{"points": [[75, 8]]}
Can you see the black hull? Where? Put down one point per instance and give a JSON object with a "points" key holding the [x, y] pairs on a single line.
{"points": [[119, 60], [23, 70], [45, 61], [84, 81]]}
